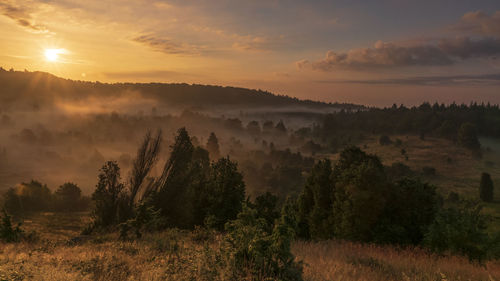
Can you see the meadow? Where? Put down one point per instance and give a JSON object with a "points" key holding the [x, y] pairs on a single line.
{"points": [[62, 254]]}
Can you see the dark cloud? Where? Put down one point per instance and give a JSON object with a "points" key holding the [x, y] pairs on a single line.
{"points": [[22, 17], [478, 22], [469, 80], [166, 46], [435, 53]]}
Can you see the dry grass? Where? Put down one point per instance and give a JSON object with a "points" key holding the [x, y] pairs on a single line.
{"points": [[336, 260], [182, 255]]}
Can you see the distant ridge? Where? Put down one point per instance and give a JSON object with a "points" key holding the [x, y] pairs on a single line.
{"points": [[42, 88]]}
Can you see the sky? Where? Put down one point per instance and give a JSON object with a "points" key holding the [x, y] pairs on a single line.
{"points": [[365, 52]]}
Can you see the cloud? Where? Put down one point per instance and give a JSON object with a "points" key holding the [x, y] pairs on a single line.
{"points": [[22, 17], [430, 53], [257, 43], [478, 22], [166, 45], [465, 80], [150, 74]]}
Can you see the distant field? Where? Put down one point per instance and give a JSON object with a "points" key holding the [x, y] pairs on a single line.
{"points": [[182, 255]]}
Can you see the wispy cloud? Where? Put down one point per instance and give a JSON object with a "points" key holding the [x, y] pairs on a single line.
{"points": [[22, 17], [166, 45], [469, 80]]}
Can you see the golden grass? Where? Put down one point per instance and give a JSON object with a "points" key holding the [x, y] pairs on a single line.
{"points": [[182, 255], [339, 260]]}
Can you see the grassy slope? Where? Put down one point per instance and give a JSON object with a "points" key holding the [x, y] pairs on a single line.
{"points": [[462, 174], [177, 255]]}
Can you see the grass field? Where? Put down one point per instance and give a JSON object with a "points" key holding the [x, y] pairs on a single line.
{"points": [[457, 169], [182, 255]]}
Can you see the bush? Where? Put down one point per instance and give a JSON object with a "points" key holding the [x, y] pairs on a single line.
{"points": [[28, 197], [486, 188], [429, 171], [9, 233], [251, 250], [459, 229], [384, 140], [467, 136], [68, 198]]}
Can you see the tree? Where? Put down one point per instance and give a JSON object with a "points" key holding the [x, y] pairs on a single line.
{"points": [[213, 146], [29, 197], [467, 136], [486, 188], [147, 155], [358, 201], [68, 197], [460, 230], [266, 206], [280, 127], [322, 189], [253, 127], [171, 192], [410, 208], [226, 191], [109, 197]]}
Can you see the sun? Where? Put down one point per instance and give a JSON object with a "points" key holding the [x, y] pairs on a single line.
{"points": [[52, 55]]}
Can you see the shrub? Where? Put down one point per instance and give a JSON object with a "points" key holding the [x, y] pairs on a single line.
{"points": [[429, 171], [9, 233], [384, 140], [459, 229], [68, 198], [467, 136], [486, 188], [251, 250]]}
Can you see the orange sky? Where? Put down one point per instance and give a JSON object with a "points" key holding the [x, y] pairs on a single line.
{"points": [[325, 50]]}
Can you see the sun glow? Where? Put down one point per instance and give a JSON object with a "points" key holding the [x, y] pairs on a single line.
{"points": [[52, 55]]}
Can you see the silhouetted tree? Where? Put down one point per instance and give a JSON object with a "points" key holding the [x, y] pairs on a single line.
{"points": [[68, 197], [213, 146], [109, 197], [486, 188]]}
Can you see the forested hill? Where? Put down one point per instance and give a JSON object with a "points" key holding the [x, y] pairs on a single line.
{"points": [[38, 89]]}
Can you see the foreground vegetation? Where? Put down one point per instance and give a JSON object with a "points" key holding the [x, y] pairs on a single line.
{"points": [[189, 255]]}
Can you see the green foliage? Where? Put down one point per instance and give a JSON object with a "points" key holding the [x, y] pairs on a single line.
{"points": [[190, 191], [316, 201], [410, 209], [225, 192], [9, 232], [486, 188], [266, 206], [358, 201], [253, 251], [28, 197], [460, 229]]}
